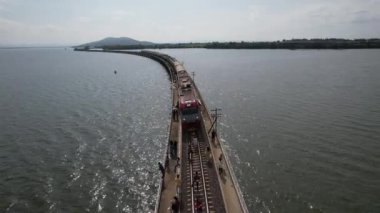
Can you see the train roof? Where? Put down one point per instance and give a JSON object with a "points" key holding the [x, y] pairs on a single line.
{"points": [[187, 94], [179, 67]]}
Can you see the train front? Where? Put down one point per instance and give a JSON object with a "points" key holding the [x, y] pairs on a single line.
{"points": [[190, 116]]}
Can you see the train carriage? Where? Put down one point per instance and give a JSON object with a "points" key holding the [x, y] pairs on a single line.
{"points": [[188, 102]]}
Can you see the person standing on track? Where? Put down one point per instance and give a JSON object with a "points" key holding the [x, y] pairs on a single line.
{"points": [[213, 136], [196, 180], [177, 164], [190, 153], [175, 204], [175, 113], [209, 155], [195, 142], [220, 168]]}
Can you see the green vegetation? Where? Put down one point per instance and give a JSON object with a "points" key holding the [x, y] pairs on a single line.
{"points": [[284, 44], [300, 44]]}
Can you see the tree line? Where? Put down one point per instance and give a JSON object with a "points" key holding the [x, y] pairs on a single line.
{"points": [[330, 43]]}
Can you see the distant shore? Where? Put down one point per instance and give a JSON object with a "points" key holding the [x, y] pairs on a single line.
{"points": [[284, 44]]}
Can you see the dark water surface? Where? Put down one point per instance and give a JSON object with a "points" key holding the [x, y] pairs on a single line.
{"points": [[74, 136], [302, 128]]}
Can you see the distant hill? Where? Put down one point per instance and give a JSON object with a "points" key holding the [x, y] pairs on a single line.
{"points": [[112, 41]]}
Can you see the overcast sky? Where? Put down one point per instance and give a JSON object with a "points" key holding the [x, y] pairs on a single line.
{"points": [[47, 22]]}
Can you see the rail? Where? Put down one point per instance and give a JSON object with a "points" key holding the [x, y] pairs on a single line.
{"points": [[192, 184], [198, 164], [203, 176]]}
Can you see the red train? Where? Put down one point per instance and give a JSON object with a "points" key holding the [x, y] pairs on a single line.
{"points": [[189, 104]]}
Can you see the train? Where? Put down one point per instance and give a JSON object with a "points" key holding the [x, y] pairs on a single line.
{"points": [[188, 103]]}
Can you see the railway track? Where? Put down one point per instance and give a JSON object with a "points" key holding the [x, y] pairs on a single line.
{"points": [[196, 175]]}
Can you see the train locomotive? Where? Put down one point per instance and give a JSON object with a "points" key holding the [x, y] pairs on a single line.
{"points": [[189, 105]]}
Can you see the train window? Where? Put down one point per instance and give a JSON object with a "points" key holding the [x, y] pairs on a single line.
{"points": [[189, 111]]}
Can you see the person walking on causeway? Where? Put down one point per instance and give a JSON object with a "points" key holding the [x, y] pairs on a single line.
{"points": [[162, 169]]}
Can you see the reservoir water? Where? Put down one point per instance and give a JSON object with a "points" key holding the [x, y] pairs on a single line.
{"points": [[302, 127], [75, 137]]}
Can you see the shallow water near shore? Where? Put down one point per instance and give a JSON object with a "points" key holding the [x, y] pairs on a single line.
{"points": [[302, 127]]}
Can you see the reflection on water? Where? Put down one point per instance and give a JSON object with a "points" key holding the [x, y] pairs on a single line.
{"points": [[78, 138]]}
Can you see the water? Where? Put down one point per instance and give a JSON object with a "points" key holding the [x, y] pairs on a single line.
{"points": [[302, 128], [75, 137]]}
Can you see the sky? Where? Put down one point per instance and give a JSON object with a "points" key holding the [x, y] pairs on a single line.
{"points": [[72, 22]]}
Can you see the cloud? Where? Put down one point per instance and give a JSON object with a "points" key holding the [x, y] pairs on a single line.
{"points": [[364, 16], [365, 20], [16, 33], [84, 19], [160, 22], [339, 18], [3, 4], [118, 15]]}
